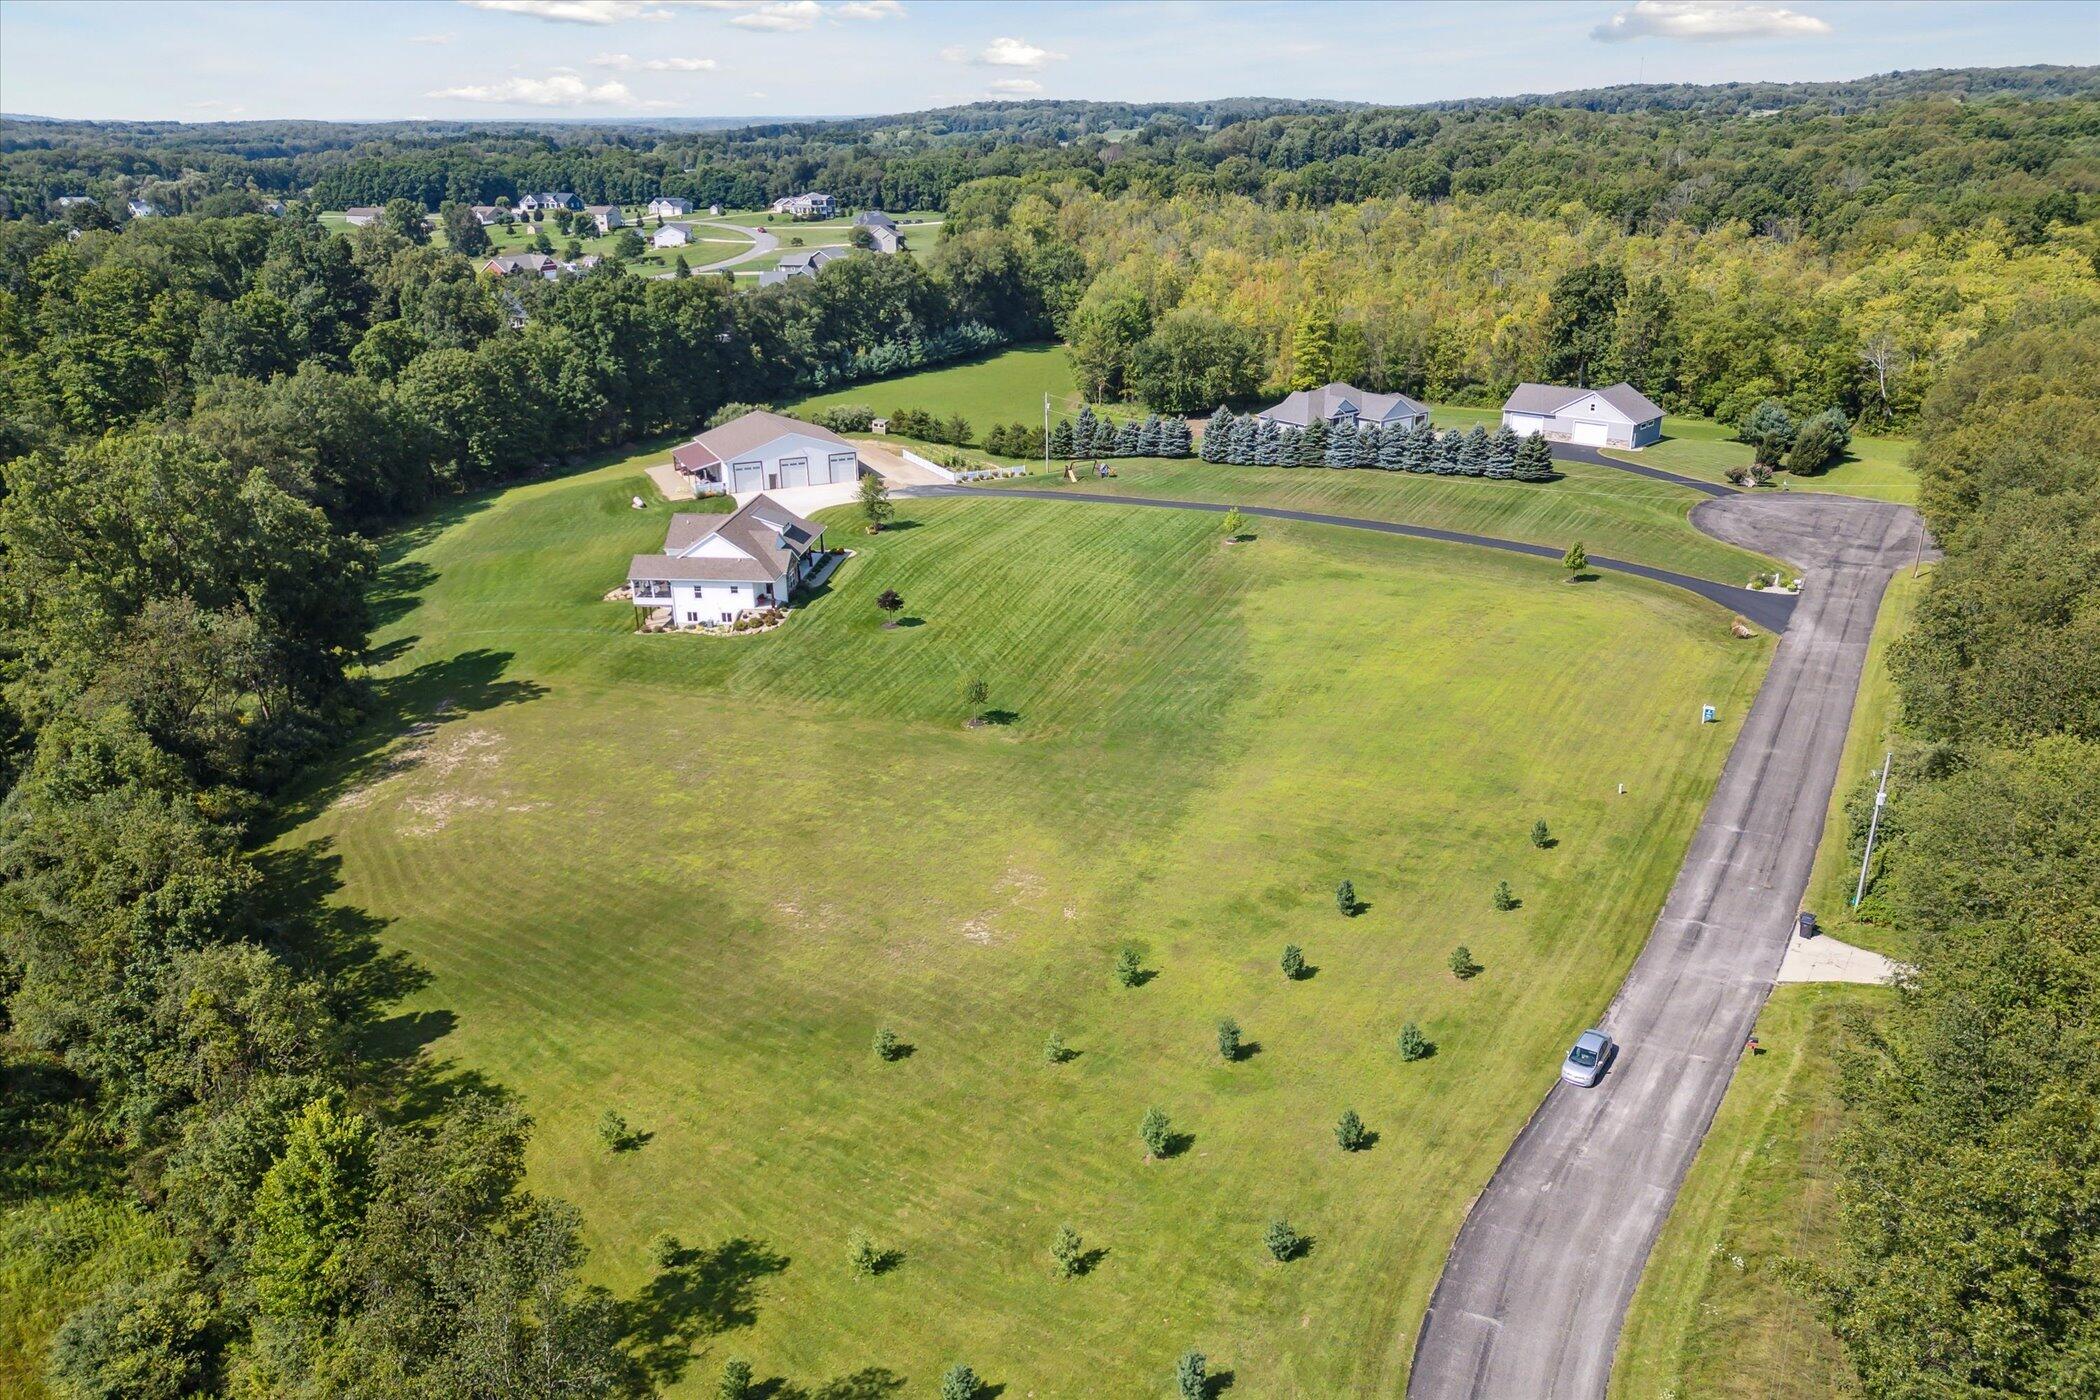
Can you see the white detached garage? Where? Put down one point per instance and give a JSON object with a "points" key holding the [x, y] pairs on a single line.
{"points": [[1619, 416], [766, 452]]}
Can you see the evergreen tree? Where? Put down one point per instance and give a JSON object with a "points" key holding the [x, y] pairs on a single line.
{"points": [[1128, 972], [1105, 431], [1421, 449], [680, 267], [1462, 964], [1575, 560], [1473, 452], [1228, 1040], [1392, 448], [1449, 450], [1341, 445], [887, 1046], [1311, 446], [1502, 454], [1069, 1251], [1345, 899], [1054, 1050], [1157, 1131], [736, 1381], [1282, 1242], [1293, 961], [1061, 439], [1217, 436], [1534, 459], [1369, 439], [1148, 437], [1246, 439], [960, 1383], [1541, 837], [1349, 1132], [1129, 437], [1083, 432], [1271, 449], [1192, 1376], [1413, 1044], [1174, 438], [1505, 897]]}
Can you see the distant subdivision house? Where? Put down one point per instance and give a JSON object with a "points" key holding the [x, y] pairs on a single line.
{"points": [[667, 207], [714, 568], [558, 199], [873, 218], [766, 452], [605, 216], [674, 235], [1336, 404], [803, 264], [362, 215], [1619, 416], [531, 264], [806, 206], [885, 240]]}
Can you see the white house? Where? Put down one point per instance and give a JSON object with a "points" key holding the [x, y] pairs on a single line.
{"points": [[558, 199], [146, 209], [674, 235], [715, 568], [885, 238], [666, 207], [803, 264], [1339, 403], [362, 215], [1620, 416], [531, 264], [605, 216], [806, 206]]}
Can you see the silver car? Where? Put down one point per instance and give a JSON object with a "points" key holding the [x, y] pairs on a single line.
{"points": [[1585, 1063]]}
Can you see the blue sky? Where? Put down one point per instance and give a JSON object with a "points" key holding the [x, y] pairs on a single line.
{"points": [[602, 58]]}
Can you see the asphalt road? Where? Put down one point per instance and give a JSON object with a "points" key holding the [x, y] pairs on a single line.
{"points": [[1537, 1284], [762, 243], [1770, 611]]}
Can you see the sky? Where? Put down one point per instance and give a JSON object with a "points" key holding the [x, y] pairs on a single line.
{"points": [[582, 59]]}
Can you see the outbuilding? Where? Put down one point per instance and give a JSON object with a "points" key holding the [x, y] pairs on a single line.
{"points": [[1618, 416]]}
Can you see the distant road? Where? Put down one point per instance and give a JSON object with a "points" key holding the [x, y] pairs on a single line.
{"points": [[762, 243], [1537, 1285]]}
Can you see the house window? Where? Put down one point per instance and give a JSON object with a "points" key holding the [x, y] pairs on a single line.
{"points": [[732, 588], [728, 617]]}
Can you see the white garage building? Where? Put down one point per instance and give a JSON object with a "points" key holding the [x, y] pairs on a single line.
{"points": [[1620, 416], [766, 452]]}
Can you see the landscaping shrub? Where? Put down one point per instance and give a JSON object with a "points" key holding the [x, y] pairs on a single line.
{"points": [[1156, 1131], [1127, 970], [1540, 836], [1350, 1134], [1069, 1251], [1293, 961], [1228, 1039], [1413, 1044], [1282, 1241], [1462, 964]]}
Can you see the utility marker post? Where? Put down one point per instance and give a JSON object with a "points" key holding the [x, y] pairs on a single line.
{"points": [[1881, 795]]}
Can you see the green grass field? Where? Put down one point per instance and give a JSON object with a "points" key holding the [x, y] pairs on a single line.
{"points": [[687, 878], [1614, 513], [1713, 1316], [1004, 387], [1874, 467], [1836, 875]]}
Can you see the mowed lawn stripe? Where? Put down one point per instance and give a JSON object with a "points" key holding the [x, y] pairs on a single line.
{"points": [[688, 877]]}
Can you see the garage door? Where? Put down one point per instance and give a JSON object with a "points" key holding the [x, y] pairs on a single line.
{"points": [[749, 476], [842, 466], [794, 471], [1590, 434]]}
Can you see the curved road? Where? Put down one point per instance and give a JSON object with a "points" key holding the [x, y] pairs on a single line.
{"points": [[762, 243], [1768, 610], [1537, 1284]]}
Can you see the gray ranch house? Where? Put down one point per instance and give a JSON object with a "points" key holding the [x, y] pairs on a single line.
{"points": [[804, 264], [1345, 403], [1620, 416], [713, 569], [766, 452]]}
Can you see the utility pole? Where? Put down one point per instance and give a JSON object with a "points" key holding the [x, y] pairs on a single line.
{"points": [[1881, 795]]}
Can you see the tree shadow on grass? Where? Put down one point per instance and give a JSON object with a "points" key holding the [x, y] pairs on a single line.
{"points": [[1218, 1382], [1248, 1049], [400, 712], [699, 1294], [1176, 1144], [868, 1383]]}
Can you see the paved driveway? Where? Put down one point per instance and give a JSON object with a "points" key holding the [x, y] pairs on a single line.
{"points": [[1533, 1294], [762, 243]]}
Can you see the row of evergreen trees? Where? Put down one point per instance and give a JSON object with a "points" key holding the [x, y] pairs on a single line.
{"points": [[1096, 435], [1249, 441]]}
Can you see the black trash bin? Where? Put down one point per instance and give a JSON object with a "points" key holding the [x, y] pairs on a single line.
{"points": [[1808, 924]]}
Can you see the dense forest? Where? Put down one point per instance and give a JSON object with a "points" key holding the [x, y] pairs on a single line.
{"points": [[221, 1166], [1970, 1170]]}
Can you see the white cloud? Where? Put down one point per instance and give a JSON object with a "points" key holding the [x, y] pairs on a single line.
{"points": [[576, 11], [778, 15], [869, 9], [1716, 22], [554, 90], [1003, 53], [431, 38], [628, 63], [1017, 85]]}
